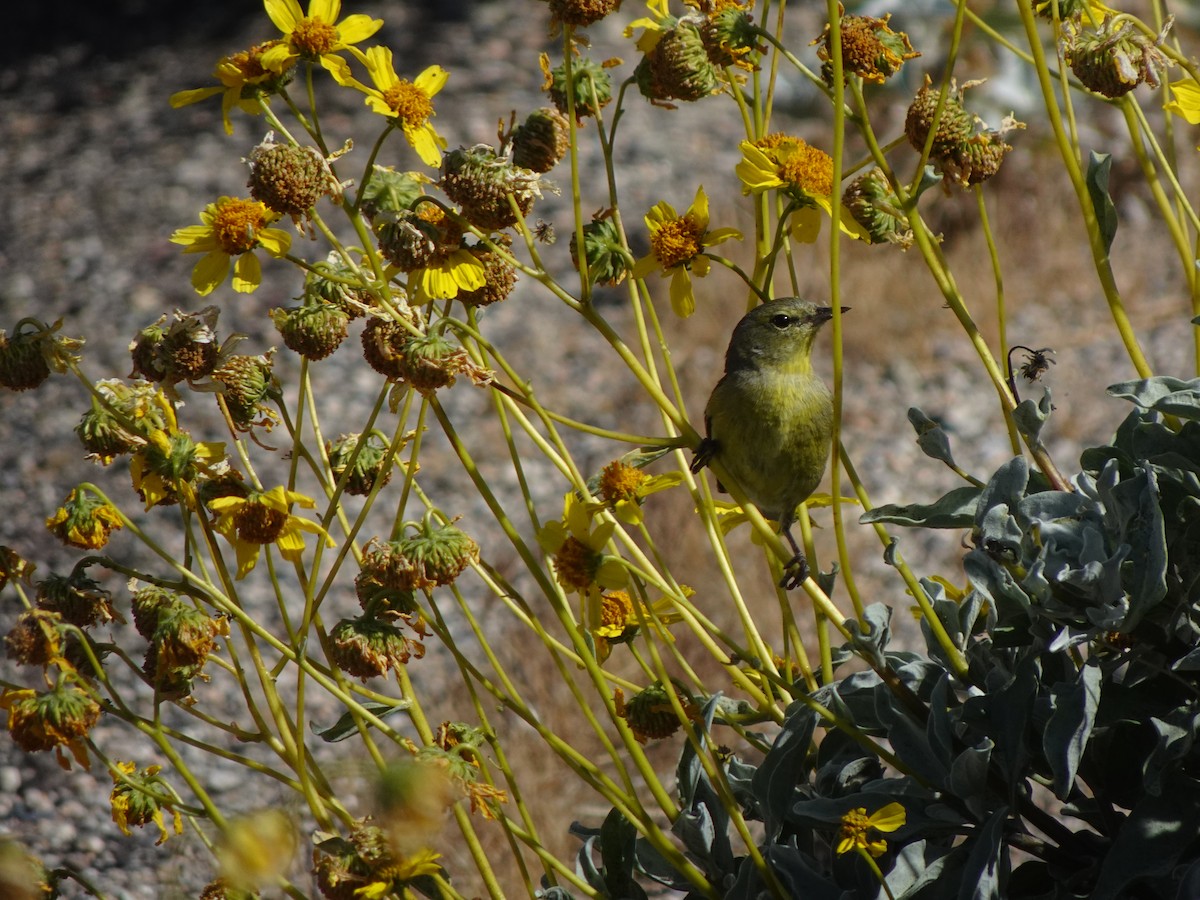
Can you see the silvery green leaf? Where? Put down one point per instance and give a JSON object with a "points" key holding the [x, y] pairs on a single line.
{"points": [[346, 726], [784, 766], [1162, 393], [931, 438], [1160, 827], [968, 779], [986, 868], [1030, 417], [955, 510], [1099, 167], [1070, 725]]}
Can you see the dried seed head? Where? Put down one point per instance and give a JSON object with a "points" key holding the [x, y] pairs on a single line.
{"points": [[953, 128], [382, 340], [147, 602], [365, 647], [438, 554], [730, 36], [78, 599], [480, 181], [1113, 59], [590, 83], [580, 13], [314, 331], [185, 350], [876, 208], [23, 365], [368, 464], [36, 638], [289, 179], [678, 67], [976, 160], [247, 381], [541, 140], [650, 715], [411, 239], [607, 260], [57, 717], [870, 49]]}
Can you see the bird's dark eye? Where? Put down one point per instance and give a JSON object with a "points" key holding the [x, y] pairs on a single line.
{"points": [[782, 321]]}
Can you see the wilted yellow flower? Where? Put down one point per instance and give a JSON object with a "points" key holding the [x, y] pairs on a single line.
{"points": [[232, 227], [132, 804], [677, 245], [169, 461], [84, 520], [257, 848]]}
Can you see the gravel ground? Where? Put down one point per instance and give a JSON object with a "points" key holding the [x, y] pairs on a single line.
{"points": [[96, 171]]}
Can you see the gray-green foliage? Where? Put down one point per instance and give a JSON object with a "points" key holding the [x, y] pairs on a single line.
{"points": [[1063, 765]]}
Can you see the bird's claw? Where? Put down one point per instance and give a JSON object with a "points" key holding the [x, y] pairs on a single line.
{"points": [[795, 573]]}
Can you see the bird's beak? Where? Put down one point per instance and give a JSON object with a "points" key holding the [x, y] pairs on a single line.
{"points": [[845, 309]]}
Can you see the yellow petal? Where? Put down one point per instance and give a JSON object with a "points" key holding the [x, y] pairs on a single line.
{"points": [[247, 274], [210, 272], [699, 208], [427, 142], [431, 80], [284, 14], [889, 818], [185, 98], [683, 301], [358, 28]]}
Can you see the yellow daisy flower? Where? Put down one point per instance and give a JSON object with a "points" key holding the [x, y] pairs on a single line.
{"points": [[621, 617], [803, 172], [233, 226], [677, 245], [408, 103], [316, 36], [264, 518], [580, 563], [856, 824], [242, 76], [622, 488]]}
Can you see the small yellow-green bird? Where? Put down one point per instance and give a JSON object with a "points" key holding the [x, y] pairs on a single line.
{"points": [[770, 417]]}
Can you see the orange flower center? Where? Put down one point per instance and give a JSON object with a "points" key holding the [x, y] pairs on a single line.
{"points": [[575, 564], [616, 613], [236, 224], [313, 37], [620, 481], [677, 242], [411, 105], [249, 62], [802, 165], [258, 523]]}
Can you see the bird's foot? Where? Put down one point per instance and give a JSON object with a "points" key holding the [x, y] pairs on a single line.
{"points": [[795, 573]]}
